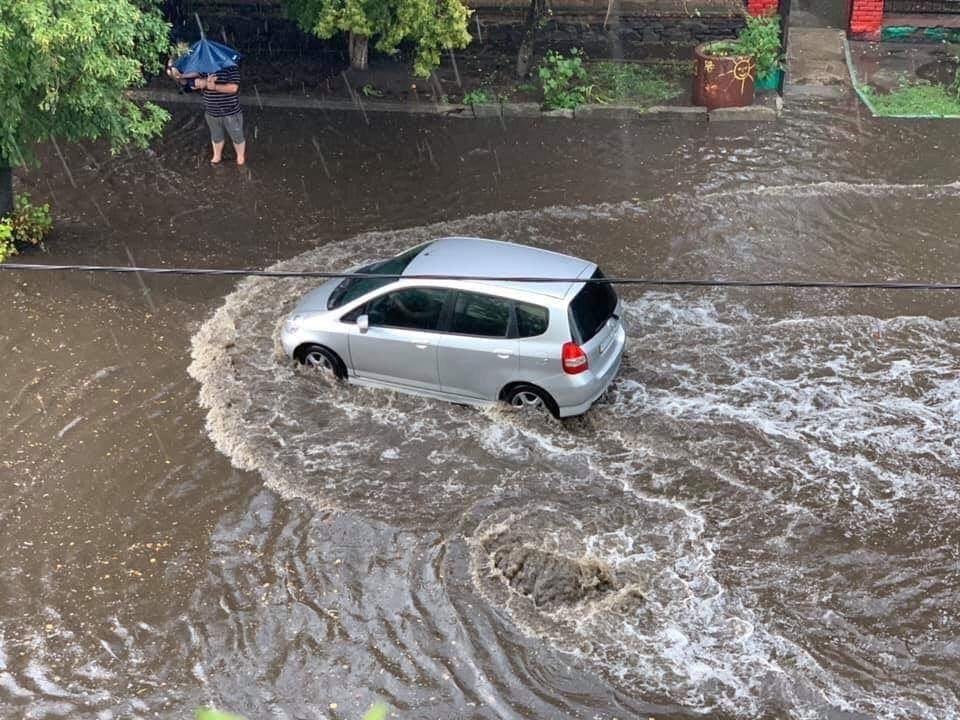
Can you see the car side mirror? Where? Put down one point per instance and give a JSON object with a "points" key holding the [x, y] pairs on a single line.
{"points": [[363, 323]]}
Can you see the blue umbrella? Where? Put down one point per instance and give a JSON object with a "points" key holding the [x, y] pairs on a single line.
{"points": [[206, 56]]}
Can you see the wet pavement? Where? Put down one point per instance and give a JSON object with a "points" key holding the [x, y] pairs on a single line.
{"points": [[759, 520]]}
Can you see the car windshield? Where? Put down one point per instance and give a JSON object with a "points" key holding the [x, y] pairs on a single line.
{"points": [[592, 307], [352, 288]]}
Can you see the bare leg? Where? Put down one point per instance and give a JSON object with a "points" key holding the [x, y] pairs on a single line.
{"points": [[240, 149], [217, 152]]}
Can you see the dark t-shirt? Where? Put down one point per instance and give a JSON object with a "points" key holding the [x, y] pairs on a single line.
{"points": [[221, 104]]}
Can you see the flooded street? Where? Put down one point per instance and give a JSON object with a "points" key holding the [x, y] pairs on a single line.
{"points": [[759, 520]]}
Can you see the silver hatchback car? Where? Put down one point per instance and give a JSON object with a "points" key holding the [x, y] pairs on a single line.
{"points": [[539, 344]]}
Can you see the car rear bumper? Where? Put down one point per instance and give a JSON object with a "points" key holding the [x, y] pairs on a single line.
{"points": [[576, 397]]}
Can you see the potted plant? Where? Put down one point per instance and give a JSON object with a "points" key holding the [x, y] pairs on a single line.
{"points": [[726, 71]]}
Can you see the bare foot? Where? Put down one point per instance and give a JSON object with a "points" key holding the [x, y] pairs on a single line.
{"points": [[214, 161]]}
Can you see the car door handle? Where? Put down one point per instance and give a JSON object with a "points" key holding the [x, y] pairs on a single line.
{"points": [[421, 346], [505, 354]]}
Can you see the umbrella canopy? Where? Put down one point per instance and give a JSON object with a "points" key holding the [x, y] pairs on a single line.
{"points": [[206, 56]]}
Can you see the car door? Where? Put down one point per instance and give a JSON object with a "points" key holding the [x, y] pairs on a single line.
{"points": [[476, 357], [400, 345]]}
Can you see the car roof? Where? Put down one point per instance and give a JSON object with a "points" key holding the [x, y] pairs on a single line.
{"points": [[495, 258]]}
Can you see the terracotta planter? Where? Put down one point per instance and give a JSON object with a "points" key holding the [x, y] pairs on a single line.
{"points": [[722, 80]]}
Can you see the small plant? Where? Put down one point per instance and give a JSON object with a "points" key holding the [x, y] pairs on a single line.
{"points": [[477, 97], [563, 79], [369, 90], [527, 87], [29, 223], [760, 38], [7, 248]]}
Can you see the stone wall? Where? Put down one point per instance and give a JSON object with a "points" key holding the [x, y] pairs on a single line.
{"points": [[261, 27]]}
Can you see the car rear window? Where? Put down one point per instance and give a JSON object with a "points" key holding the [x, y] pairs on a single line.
{"points": [[591, 308], [352, 288], [531, 320]]}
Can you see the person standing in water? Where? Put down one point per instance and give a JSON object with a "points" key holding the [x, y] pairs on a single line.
{"points": [[221, 108]]}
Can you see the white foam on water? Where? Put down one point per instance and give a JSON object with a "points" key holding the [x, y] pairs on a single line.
{"points": [[840, 419]]}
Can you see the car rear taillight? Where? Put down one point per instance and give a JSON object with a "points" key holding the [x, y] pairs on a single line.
{"points": [[574, 358]]}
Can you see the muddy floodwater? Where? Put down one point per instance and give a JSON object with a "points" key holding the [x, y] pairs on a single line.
{"points": [[760, 519]]}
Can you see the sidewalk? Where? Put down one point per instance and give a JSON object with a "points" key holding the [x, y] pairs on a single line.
{"points": [[765, 109]]}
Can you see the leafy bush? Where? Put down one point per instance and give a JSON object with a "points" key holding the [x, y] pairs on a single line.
{"points": [[29, 223], [761, 39], [563, 79], [477, 97], [7, 248]]}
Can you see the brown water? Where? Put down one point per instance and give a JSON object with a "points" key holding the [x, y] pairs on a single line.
{"points": [[759, 520]]}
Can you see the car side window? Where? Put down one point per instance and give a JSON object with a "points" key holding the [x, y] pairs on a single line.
{"points": [[483, 315], [532, 320], [411, 308]]}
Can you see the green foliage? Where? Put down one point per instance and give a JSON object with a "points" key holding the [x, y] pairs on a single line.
{"points": [[564, 80], [477, 97], [644, 85], [211, 714], [431, 25], [377, 712], [64, 69], [722, 48], [7, 248], [760, 38], [29, 223], [918, 98]]}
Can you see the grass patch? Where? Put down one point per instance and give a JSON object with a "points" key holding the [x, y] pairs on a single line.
{"points": [[916, 98], [633, 83]]}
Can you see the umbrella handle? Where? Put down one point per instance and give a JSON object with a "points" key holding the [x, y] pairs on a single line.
{"points": [[199, 25]]}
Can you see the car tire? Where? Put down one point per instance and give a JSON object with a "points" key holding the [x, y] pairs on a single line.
{"points": [[529, 397], [322, 359]]}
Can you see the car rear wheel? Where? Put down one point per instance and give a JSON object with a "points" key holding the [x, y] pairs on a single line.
{"points": [[530, 398], [324, 361]]}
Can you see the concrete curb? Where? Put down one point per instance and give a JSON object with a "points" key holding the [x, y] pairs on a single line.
{"points": [[621, 113]]}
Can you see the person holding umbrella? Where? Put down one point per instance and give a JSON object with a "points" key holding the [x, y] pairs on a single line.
{"points": [[212, 69]]}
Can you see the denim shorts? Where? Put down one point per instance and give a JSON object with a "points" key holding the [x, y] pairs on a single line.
{"points": [[232, 125]]}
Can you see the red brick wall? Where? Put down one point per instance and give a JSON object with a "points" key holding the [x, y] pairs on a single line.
{"points": [[866, 19], [763, 7]]}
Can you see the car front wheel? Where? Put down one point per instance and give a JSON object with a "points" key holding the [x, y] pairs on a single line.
{"points": [[323, 360]]}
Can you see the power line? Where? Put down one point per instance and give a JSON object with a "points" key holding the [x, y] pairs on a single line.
{"points": [[652, 282]]}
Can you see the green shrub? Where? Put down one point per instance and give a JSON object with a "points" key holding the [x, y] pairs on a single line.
{"points": [[563, 79], [477, 97], [761, 39], [29, 223], [7, 248]]}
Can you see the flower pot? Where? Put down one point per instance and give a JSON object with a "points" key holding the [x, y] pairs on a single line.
{"points": [[722, 80], [771, 81]]}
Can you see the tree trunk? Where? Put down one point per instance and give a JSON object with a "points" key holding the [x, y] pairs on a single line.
{"points": [[358, 51], [6, 187], [535, 13]]}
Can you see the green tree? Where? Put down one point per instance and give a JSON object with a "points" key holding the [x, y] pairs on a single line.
{"points": [[64, 68], [432, 25]]}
